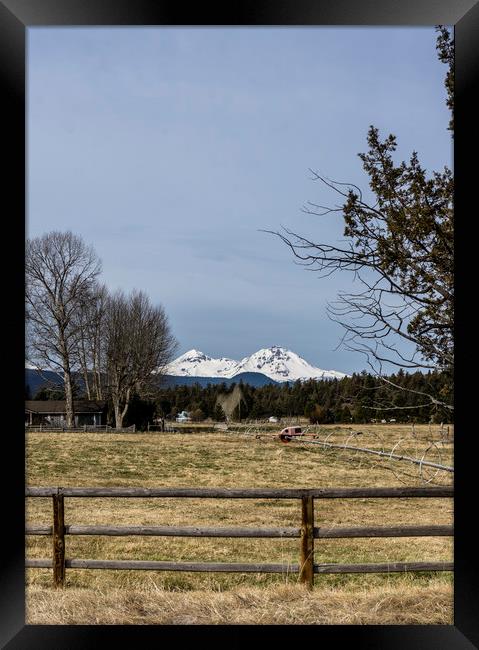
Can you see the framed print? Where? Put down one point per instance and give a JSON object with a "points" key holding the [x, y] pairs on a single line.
{"points": [[217, 273]]}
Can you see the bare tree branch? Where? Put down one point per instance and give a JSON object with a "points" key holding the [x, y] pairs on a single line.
{"points": [[60, 271]]}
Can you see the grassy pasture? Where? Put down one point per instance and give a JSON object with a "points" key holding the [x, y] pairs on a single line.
{"points": [[222, 459]]}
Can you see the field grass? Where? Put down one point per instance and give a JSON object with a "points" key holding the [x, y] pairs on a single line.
{"points": [[220, 459]]}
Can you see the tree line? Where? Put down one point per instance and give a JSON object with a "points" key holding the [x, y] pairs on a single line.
{"points": [[359, 399], [115, 341]]}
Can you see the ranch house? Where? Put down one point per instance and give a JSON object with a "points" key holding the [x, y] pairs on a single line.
{"points": [[52, 412]]}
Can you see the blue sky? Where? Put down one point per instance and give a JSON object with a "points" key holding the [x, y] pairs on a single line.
{"points": [[168, 149]]}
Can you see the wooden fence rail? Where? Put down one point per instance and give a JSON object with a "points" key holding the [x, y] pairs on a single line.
{"points": [[85, 428], [284, 533], [307, 533], [245, 493]]}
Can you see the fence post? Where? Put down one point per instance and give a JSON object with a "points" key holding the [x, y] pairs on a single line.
{"points": [[58, 539], [306, 574]]}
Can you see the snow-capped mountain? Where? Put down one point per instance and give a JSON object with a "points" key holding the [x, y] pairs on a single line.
{"points": [[284, 365], [276, 363], [196, 364]]}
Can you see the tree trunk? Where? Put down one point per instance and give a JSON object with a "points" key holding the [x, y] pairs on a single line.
{"points": [[119, 412], [96, 385], [69, 408], [84, 367], [85, 379], [118, 415], [125, 408], [97, 375], [87, 385]]}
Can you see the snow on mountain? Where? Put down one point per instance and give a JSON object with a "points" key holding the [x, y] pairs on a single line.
{"points": [[276, 363], [197, 364], [283, 365]]}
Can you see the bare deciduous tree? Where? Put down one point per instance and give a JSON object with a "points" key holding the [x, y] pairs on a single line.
{"points": [[60, 273], [138, 346], [90, 320]]}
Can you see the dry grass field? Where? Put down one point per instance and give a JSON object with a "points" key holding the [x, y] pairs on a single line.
{"points": [[226, 459]]}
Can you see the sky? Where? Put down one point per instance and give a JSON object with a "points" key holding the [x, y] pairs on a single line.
{"points": [[171, 149]]}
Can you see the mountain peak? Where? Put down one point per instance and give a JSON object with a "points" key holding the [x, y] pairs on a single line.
{"points": [[195, 363], [276, 362], [194, 353]]}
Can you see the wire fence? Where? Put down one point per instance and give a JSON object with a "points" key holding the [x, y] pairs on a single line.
{"points": [[417, 456]]}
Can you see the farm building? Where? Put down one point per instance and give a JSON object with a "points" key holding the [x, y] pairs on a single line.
{"points": [[52, 412]]}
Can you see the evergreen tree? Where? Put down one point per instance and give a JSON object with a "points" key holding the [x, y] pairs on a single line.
{"points": [[140, 413], [219, 414], [400, 248]]}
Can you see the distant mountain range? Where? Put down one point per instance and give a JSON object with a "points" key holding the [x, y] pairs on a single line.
{"points": [[35, 380], [267, 366], [255, 379], [276, 363]]}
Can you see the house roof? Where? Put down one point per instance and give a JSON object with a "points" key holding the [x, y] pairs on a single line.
{"points": [[58, 406]]}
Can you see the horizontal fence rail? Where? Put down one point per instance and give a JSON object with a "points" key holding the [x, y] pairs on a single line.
{"points": [[224, 567], [246, 493], [283, 533], [88, 428], [307, 533]]}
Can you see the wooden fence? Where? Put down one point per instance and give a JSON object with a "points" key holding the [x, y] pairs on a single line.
{"points": [[162, 428], [85, 428], [307, 533]]}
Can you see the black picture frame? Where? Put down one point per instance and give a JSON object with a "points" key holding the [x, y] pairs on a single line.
{"points": [[18, 15]]}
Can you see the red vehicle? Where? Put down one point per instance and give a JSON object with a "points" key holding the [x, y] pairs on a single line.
{"points": [[289, 432]]}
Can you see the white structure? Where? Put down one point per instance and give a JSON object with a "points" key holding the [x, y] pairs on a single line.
{"points": [[183, 417], [273, 419]]}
